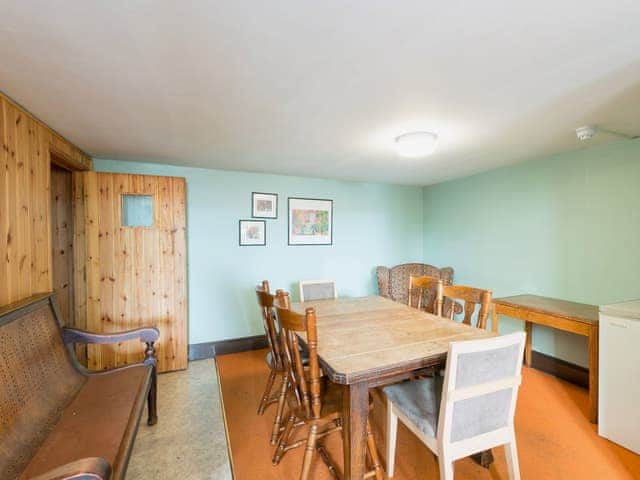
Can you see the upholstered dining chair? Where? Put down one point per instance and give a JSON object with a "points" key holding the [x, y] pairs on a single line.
{"points": [[393, 281], [471, 297], [425, 293], [274, 360], [316, 402], [317, 290], [468, 412]]}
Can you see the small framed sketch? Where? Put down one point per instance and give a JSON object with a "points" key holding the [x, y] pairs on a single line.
{"points": [[253, 232], [310, 221], [264, 205]]}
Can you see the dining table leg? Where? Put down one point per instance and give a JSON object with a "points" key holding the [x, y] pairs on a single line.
{"points": [[355, 410], [484, 458]]}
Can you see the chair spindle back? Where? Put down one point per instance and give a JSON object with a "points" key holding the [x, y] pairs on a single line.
{"points": [[306, 386], [425, 293], [266, 303], [471, 297]]}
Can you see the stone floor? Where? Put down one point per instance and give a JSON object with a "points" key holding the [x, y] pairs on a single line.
{"points": [[189, 440]]}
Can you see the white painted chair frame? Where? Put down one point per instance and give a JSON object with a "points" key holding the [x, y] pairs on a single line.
{"points": [[446, 451], [304, 283]]}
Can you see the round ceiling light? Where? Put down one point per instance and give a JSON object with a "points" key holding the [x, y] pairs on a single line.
{"points": [[416, 144]]}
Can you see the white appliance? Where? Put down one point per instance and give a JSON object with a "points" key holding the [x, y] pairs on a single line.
{"points": [[619, 387]]}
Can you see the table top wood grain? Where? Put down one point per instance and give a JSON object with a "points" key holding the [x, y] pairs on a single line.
{"points": [[367, 338], [579, 312]]}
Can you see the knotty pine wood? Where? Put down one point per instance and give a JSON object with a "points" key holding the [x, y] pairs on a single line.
{"points": [[26, 149], [135, 276], [62, 241]]}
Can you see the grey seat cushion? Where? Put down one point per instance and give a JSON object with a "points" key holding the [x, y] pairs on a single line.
{"points": [[419, 400]]}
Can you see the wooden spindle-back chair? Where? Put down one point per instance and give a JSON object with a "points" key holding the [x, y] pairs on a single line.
{"points": [[317, 403], [425, 293], [471, 297], [274, 360]]}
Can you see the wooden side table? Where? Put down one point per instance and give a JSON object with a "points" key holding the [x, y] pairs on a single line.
{"points": [[578, 318]]}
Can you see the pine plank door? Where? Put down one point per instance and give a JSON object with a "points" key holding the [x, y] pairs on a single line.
{"points": [[134, 261]]}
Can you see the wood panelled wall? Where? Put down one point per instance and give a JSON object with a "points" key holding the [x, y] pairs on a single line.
{"points": [[135, 276], [27, 147], [61, 211]]}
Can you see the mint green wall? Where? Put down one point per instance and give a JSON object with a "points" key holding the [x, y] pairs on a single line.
{"points": [[374, 224], [565, 226]]}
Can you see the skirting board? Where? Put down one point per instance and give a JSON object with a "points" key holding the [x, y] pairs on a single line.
{"points": [[569, 372], [200, 351]]}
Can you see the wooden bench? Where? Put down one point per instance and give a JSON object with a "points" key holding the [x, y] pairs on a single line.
{"points": [[57, 419]]}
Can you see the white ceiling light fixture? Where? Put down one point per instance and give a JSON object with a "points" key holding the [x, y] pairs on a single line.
{"points": [[416, 144]]}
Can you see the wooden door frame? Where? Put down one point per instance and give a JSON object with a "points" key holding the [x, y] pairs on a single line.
{"points": [[66, 161]]}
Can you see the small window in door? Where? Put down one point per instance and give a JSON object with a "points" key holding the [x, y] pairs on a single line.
{"points": [[137, 211]]}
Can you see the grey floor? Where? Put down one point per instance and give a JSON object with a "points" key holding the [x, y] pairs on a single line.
{"points": [[189, 440]]}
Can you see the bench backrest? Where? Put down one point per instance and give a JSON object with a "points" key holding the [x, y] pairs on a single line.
{"points": [[38, 379]]}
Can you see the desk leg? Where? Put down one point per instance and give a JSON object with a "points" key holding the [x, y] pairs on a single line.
{"points": [[593, 374], [528, 328], [355, 410], [494, 319]]}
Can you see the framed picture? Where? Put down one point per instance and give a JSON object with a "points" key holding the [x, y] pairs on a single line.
{"points": [[253, 232], [310, 221], [264, 205]]}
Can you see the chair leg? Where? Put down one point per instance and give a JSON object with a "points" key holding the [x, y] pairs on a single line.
{"points": [[267, 392], [513, 467], [446, 468], [373, 453], [308, 452], [275, 432], [392, 431], [284, 440]]}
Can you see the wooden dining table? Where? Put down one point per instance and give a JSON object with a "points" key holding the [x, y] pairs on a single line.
{"points": [[370, 342]]}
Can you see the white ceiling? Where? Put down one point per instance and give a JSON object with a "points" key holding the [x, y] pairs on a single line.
{"points": [[322, 88]]}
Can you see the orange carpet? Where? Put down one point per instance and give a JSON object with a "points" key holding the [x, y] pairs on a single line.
{"points": [[555, 439]]}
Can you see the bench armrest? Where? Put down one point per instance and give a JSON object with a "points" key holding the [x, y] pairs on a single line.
{"points": [[147, 335], [90, 468]]}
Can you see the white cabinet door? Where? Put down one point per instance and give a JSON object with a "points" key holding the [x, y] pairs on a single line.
{"points": [[619, 402]]}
